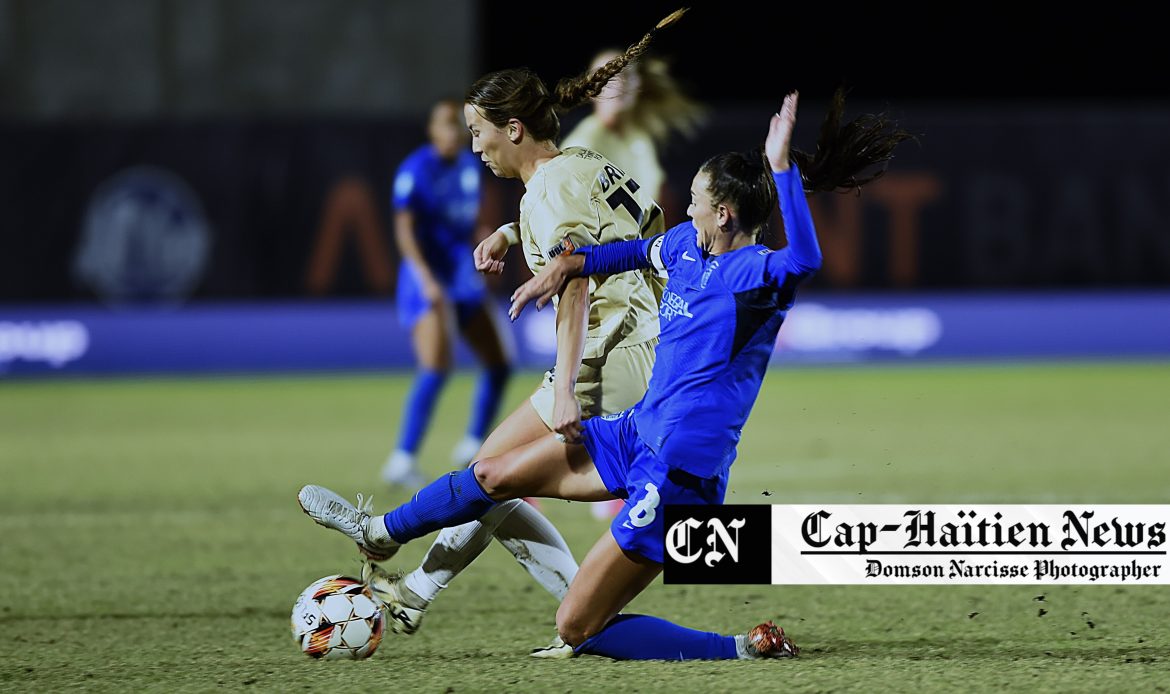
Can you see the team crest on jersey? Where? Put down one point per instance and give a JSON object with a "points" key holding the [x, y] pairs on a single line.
{"points": [[565, 247]]}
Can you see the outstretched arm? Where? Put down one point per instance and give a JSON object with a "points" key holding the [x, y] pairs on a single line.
{"points": [[802, 257], [605, 259]]}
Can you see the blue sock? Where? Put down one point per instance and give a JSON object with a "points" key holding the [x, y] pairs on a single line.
{"points": [[419, 406], [641, 637], [453, 499], [488, 394]]}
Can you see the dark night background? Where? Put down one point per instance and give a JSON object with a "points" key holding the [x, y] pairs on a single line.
{"points": [[738, 52], [1041, 162], [233, 160]]}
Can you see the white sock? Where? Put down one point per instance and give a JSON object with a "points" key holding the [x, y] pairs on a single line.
{"points": [[741, 650], [420, 584], [538, 546], [451, 552], [376, 531], [528, 535]]}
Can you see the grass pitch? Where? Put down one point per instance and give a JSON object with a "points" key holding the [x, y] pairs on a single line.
{"points": [[150, 539]]}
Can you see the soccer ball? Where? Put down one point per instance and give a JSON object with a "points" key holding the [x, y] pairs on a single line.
{"points": [[337, 617]]}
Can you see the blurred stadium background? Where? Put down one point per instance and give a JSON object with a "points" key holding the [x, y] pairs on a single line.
{"points": [[194, 194], [204, 187]]}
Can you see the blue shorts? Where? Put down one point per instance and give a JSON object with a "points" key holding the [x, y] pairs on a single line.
{"points": [[466, 291], [632, 471]]}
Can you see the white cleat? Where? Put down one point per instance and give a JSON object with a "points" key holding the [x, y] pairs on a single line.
{"points": [[333, 511], [405, 609], [401, 470], [464, 452], [556, 650]]}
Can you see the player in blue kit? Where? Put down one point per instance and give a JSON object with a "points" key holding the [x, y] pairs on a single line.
{"points": [[436, 202], [725, 299]]}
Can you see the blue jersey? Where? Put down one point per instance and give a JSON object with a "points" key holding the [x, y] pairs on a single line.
{"points": [[719, 318], [444, 198]]}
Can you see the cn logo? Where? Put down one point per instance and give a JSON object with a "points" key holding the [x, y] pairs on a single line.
{"points": [[679, 541], [717, 544]]}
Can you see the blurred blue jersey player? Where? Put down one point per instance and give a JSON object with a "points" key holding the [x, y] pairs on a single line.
{"points": [[725, 299], [436, 201]]}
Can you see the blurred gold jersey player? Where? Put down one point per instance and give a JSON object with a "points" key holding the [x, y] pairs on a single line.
{"points": [[633, 118], [577, 199]]}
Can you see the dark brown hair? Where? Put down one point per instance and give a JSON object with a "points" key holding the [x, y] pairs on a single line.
{"points": [[846, 152], [844, 161], [519, 93]]}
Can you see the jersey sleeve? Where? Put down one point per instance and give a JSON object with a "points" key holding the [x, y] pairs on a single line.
{"points": [[562, 214], [802, 256], [404, 194], [671, 245], [619, 256]]}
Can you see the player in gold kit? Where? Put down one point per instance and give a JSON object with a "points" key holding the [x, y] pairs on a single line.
{"points": [[607, 326]]}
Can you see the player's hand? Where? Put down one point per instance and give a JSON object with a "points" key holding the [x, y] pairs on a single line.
{"points": [[780, 134], [546, 284], [567, 418], [489, 254]]}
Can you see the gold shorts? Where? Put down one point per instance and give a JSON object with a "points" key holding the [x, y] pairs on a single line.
{"points": [[607, 384]]}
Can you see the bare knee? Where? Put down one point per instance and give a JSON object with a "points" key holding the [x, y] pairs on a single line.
{"points": [[496, 477], [575, 625]]}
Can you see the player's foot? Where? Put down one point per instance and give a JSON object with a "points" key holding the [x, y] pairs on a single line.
{"points": [[606, 510], [465, 451], [405, 607], [401, 470], [557, 649], [333, 511], [766, 641]]}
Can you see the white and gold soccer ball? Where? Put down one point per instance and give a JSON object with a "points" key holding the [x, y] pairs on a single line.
{"points": [[337, 617]]}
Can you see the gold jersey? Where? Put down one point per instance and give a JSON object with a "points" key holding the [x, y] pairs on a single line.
{"points": [[630, 148], [580, 198]]}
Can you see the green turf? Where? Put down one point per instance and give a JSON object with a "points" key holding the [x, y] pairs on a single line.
{"points": [[150, 540]]}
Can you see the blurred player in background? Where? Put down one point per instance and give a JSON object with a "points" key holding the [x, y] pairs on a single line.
{"points": [[607, 327], [632, 120], [724, 304], [436, 202], [634, 117]]}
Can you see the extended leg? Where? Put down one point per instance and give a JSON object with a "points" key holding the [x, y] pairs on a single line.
{"points": [[589, 618], [527, 534]]}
